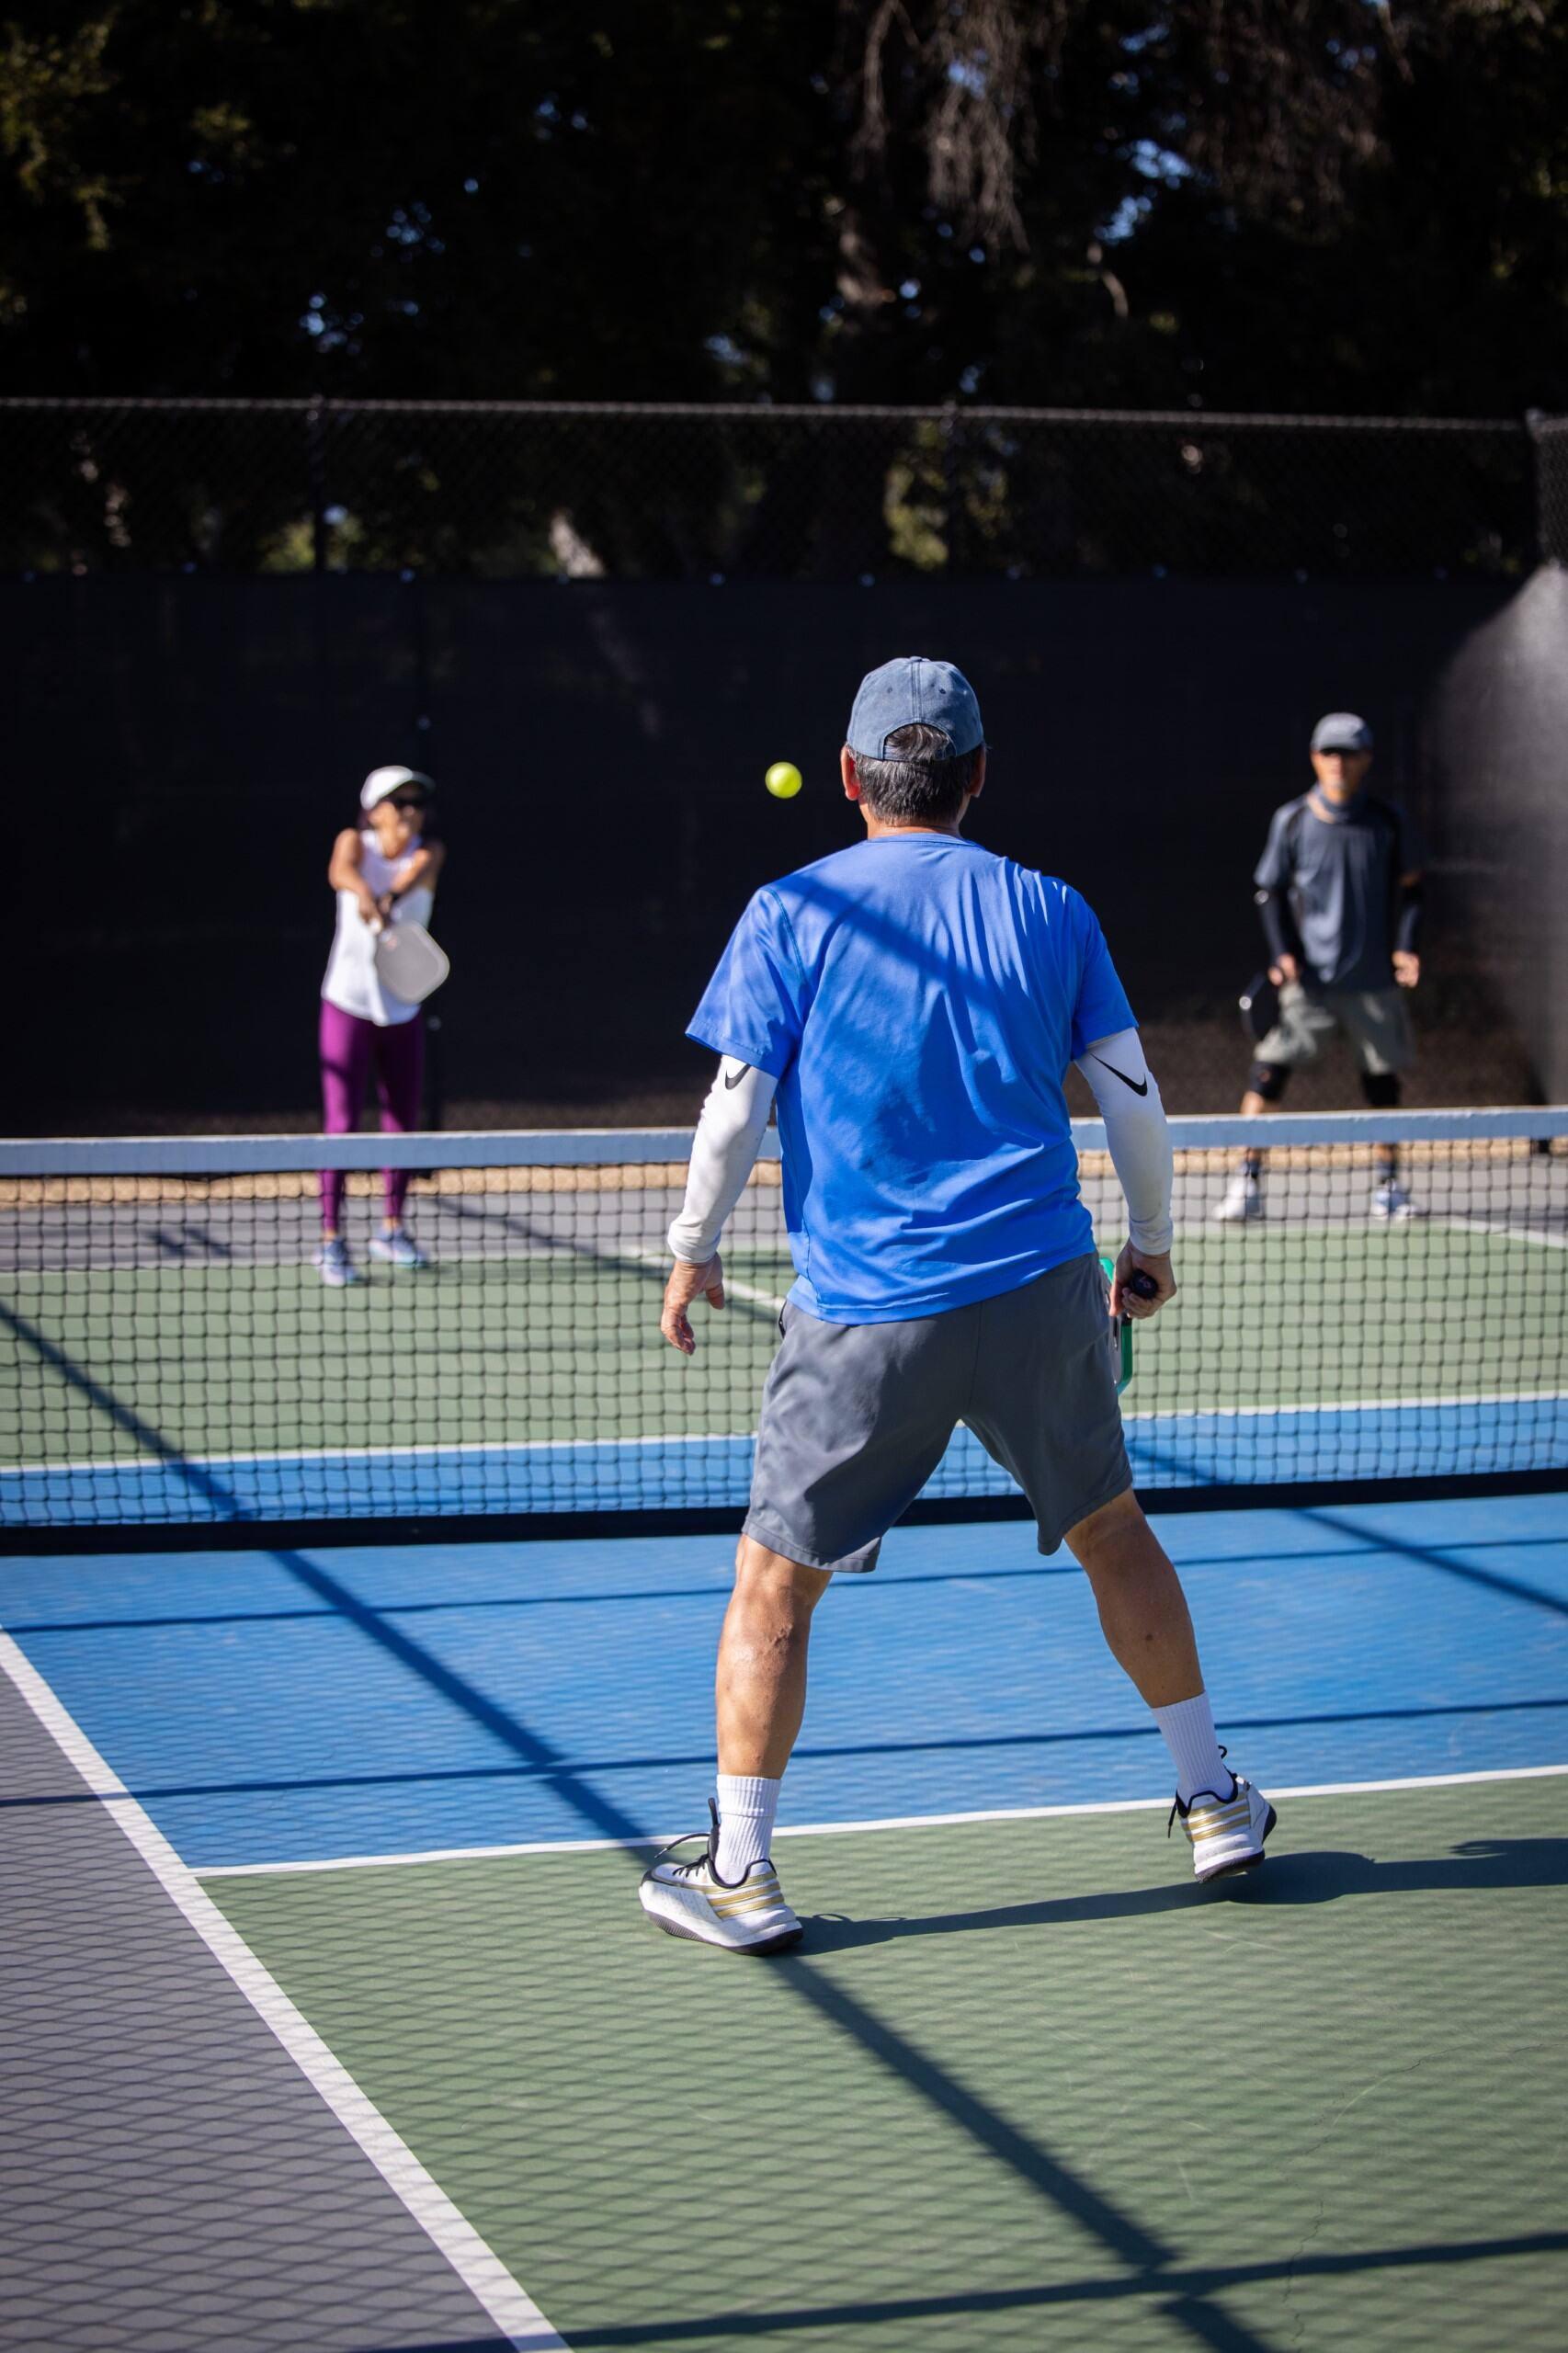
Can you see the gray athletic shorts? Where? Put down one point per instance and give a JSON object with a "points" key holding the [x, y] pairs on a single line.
{"points": [[1376, 1021], [856, 1416]]}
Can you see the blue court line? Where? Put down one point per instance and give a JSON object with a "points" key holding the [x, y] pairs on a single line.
{"points": [[1216, 1448], [283, 1706]]}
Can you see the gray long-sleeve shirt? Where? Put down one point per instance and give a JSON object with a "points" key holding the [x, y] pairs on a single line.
{"points": [[1341, 877]]}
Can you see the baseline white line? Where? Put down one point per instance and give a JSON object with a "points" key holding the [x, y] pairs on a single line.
{"points": [[1458, 1224], [1177, 1414], [481, 2270], [844, 1829]]}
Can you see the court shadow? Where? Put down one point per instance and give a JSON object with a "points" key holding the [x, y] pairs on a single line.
{"points": [[1480, 1865]]}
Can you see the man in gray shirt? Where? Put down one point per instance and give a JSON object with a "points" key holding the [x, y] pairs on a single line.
{"points": [[1339, 893]]}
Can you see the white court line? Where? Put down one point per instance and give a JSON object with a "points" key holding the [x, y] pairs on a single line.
{"points": [[1170, 1416], [1457, 1224], [481, 2270], [1175, 1415], [133, 1461], [749, 1291], [733, 1290], [1197, 1231], [847, 1829]]}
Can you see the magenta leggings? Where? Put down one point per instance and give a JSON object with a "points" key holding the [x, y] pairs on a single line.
{"points": [[348, 1048]]}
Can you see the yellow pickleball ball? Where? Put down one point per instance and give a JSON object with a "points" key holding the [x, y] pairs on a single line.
{"points": [[783, 780]]}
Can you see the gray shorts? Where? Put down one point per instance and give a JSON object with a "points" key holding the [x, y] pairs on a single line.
{"points": [[856, 1416], [1376, 1021]]}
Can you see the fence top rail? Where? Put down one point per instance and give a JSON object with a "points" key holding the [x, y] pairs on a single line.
{"points": [[607, 1147], [784, 412]]}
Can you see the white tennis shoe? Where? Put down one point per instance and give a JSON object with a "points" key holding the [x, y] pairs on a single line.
{"points": [[1392, 1203], [691, 1900], [1227, 1834], [334, 1266], [1241, 1199], [398, 1247]]}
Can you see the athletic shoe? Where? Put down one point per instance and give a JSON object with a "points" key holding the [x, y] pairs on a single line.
{"points": [[1243, 1200], [334, 1266], [1227, 1834], [691, 1900], [1392, 1202], [398, 1247]]}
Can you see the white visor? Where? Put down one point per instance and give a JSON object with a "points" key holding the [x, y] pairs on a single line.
{"points": [[383, 781]]}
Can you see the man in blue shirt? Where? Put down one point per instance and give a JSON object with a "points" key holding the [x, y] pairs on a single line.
{"points": [[912, 1005]]}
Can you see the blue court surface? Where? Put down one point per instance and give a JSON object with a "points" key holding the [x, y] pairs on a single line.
{"points": [[299, 1707]]}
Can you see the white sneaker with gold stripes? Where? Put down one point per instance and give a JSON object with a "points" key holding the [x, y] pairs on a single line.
{"points": [[1227, 1834], [691, 1900]]}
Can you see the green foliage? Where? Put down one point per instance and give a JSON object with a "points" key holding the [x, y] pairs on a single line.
{"points": [[1285, 203]]}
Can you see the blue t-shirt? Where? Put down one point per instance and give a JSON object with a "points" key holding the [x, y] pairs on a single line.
{"points": [[918, 1000]]}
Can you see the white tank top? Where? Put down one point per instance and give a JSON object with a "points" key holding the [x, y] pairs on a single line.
{"points": [[352, 981]]}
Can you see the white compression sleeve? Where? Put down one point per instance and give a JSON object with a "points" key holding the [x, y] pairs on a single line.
{"points": [[723, 1152], [1136, 1133]]}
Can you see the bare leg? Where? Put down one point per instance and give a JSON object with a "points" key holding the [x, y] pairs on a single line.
{"points": [[1143, 1612], [761, 1684]]}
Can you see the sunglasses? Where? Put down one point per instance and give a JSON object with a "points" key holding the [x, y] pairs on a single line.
{"points": [[409, 801]]}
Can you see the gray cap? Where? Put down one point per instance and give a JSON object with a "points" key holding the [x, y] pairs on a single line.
{"points": [[912, 690], [1341, 730]]}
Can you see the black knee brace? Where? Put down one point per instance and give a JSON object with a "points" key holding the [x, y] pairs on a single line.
{"points": [[1381, 1090], [1267, 1079]]}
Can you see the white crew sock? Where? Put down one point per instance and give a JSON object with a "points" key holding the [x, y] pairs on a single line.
{"points": [[747, 1809], [1188, 1731]]}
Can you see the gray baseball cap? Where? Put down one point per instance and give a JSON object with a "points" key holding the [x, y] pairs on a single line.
{"points": [[1341, 730], [913, 689]]}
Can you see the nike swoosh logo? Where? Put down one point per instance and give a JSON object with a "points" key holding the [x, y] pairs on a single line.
{"points": [[732, 1083], [1139, 1087]]}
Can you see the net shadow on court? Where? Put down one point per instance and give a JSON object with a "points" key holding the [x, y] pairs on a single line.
{"points": [[983, 2114], [1024, 2080]]}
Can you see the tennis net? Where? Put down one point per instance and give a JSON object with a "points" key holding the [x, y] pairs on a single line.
{"points": [[171, 1358]]}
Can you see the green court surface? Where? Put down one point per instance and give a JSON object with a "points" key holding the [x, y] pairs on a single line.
{"points": [[1273, 1318], [1025, 2086], [233, 1360], [245, 1358]]}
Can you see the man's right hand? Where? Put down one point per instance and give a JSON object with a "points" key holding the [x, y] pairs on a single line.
{"points": [[1287, 969], [687, 1282], [1124, 1300]]}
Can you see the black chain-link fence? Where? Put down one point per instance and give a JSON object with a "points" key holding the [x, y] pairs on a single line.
{"points": [[514, 490], [222, 613]]}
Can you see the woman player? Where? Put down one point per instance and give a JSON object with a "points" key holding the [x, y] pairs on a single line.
{"points": [[384, 868]]}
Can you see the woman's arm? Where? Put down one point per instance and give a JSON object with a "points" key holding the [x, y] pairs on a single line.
{"points": [[344, 872], [425, 865]]}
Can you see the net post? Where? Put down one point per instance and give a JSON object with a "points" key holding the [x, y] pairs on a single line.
{"points": [[1549, 468]]}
